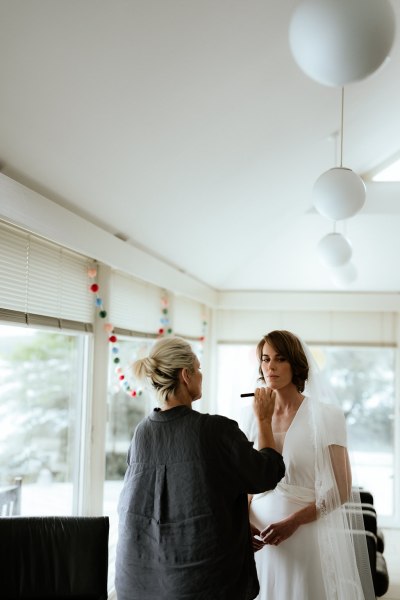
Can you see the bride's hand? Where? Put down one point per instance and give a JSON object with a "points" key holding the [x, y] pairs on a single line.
{"points": [[278, 532]]}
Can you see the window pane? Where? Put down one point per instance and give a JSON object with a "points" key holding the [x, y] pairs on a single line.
{"points": [[237, 374], [40, 412], [363, 379]]}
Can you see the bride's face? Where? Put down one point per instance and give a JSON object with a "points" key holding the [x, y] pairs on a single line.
{"points": [[276, 369]]}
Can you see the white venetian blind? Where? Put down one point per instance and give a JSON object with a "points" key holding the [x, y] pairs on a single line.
{"points": [[188, 317], [134, 305], [41, 282]]}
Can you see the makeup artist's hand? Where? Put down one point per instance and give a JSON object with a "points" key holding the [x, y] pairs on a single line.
{"points": [[256, 542], [264, 403]]}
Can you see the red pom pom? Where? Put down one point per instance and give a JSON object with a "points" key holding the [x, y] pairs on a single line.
{"points": [[202, 338], [94, 288], [121, 377], [161, 331], [112, 339], [133, 393]]}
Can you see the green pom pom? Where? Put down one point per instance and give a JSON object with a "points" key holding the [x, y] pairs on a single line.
{"points": [[116, 360], [103, 314]]}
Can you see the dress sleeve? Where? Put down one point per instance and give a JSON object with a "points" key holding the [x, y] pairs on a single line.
{"points": [[335, 425]]}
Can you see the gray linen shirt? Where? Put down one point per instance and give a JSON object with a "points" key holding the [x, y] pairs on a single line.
{"points": [[183, 518]]}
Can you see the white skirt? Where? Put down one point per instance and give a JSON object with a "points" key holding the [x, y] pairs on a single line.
{"points": [[292, 570]]}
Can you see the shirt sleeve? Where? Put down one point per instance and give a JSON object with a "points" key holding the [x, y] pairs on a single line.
{"points": [[248, 470]]}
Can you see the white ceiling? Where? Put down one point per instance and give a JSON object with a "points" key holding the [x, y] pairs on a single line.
{"points": [[186, 127]]}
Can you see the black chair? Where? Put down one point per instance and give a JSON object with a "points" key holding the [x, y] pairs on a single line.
{"points": [[380, 575], [10, 499], [371, 524], [366, 496], [367, 501], [54, 557]]}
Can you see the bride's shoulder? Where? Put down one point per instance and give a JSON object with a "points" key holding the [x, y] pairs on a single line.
{"points": [[333, 417]]}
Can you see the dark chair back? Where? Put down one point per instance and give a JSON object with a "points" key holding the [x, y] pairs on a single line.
{"points": [[54, 557], [370, 532]]}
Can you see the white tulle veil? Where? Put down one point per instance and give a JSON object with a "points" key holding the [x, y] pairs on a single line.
{"points": [[341, 533]]}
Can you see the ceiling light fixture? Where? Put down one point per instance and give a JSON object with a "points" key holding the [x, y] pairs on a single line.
{"points": [[336, 42], [339, 193], [344, 275], [334, 250]]}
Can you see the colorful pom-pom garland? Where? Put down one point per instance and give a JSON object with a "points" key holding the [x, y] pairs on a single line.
{"points": [[112, 338], [165, 329]]}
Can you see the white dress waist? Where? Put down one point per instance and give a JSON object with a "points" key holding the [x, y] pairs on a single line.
{"points": [[295, 493]]}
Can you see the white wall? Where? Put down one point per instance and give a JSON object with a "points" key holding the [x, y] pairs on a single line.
{"points": [[328, 327]]}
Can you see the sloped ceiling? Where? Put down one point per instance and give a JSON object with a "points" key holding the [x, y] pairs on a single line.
{"points": [[186, 128]]}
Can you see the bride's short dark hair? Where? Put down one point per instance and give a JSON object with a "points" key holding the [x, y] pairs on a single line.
{"points": [[289, 346]]}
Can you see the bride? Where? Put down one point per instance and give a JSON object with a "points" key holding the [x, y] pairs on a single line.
{"points": [[304, 545]]}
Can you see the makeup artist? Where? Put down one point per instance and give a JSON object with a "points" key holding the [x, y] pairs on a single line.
{"points": [[184, 532]]}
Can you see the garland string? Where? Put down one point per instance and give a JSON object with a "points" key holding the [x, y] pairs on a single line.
{"points": [[112, 338]]}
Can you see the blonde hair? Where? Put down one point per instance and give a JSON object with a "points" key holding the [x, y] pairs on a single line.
{"points": [[167, 357]]}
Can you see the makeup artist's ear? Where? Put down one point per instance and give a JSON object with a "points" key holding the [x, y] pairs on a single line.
{"points": [[185, 374]]}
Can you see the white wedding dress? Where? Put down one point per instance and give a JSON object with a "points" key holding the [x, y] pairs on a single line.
{"points": [[293, 570]]}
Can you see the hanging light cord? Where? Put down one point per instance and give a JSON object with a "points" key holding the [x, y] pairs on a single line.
{"points": [[341, 128]]}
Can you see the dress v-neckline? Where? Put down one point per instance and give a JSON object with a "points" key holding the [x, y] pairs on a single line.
{"points": [[291, 424]]}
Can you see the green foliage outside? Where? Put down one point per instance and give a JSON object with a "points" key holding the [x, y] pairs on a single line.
{"points": [[363, 379], [38, 410]]}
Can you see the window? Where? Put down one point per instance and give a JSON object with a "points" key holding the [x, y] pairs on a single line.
{"points": [[41, 388], [363, 379], [237, 374], [124, 410]]}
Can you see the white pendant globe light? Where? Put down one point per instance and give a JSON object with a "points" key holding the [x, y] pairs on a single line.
{"points": [[345, 275], [339, 193], [334, 250], [336, 42]]}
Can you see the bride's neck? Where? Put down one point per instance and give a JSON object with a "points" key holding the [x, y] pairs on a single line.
{"points": [[288, 400]]}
